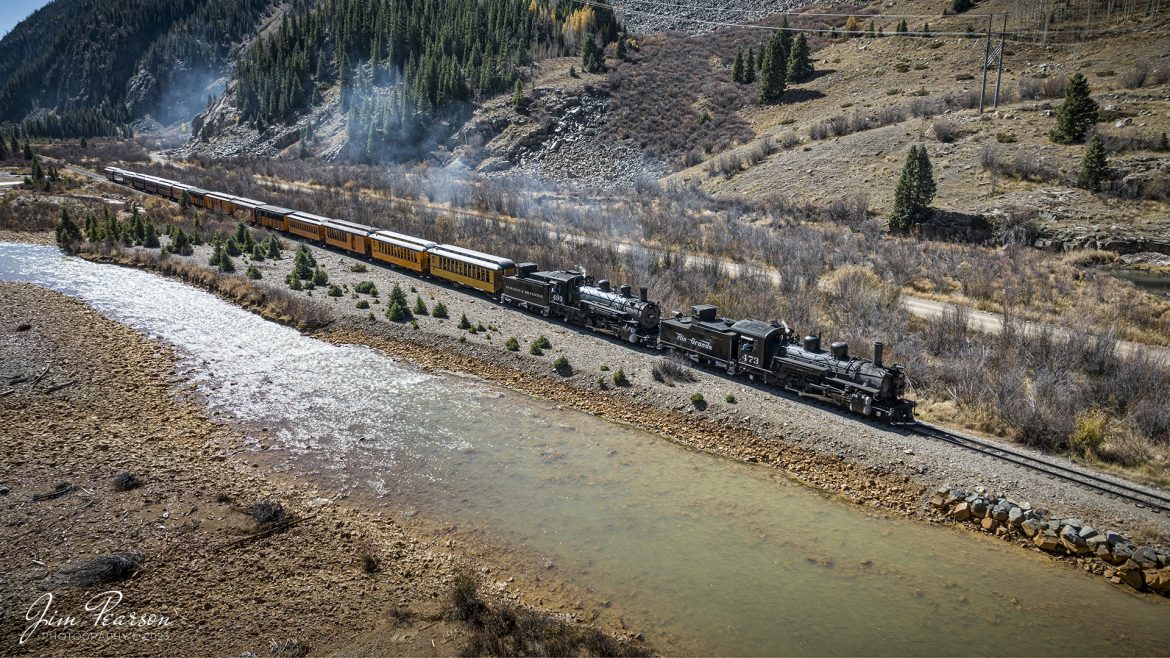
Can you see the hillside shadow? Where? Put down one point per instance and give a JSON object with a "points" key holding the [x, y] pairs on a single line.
{"points": [[802, 95]]}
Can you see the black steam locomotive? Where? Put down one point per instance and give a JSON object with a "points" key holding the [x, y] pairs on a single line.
{"points": [[770, 353], [572, 297]]}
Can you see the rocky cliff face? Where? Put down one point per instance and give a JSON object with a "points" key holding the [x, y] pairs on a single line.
{"points": [[559, 137], [653, 16]]}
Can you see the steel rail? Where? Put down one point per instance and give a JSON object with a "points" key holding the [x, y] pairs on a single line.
{"points": [[1143, 497]]}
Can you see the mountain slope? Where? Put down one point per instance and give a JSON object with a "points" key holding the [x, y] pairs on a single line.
{"points": [[75, 63]]}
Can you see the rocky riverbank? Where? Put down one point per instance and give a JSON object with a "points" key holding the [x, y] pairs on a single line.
{"points": [[109, 462], [1115, 556]]}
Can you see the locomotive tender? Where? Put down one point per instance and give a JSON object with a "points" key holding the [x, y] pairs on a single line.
{"points": [[765, 352]]}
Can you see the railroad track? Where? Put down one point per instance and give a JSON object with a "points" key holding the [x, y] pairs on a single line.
{"points": [[1142, 497]]}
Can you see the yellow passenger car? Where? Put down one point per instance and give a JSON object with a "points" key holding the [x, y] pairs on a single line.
{"points": [[470, 268], [349, 236], [220, 202], [272, 216], [307, 225], [401, 250]]}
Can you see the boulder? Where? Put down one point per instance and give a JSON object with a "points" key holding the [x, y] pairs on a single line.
{"points": [[1015, 516], [1159, 581], [1122, 550], [1047, 541], [979, 508], [1000, 513], [1072, 541], [1146, 557], [961, 512], [1030, 528], [989, 524], [1131, 574], [1102, 551], [1076, 523], [1087, 532]]}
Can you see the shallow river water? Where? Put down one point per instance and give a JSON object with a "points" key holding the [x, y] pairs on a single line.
{"points": [[719, 557]]}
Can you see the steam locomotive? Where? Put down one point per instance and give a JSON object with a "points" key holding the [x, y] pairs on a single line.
{"points": [[767, 352], [772, 354], [572, 297]]}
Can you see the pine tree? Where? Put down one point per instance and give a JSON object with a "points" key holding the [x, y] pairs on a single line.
{"points": [[518, 95], [800, 67], [592, 55], [737, 68], [749, 67], [926, 29], [869, 30], [620, 49], [1164, 145], [1094, 166], [67, 232], [914, 192], [775, 70], [273, 248], [902, 27], [303, 264], [3, 150], [217, 255], [420, 307], [28, 152], [398, 296], [150, 236], [1076, 114], [180, 243]]}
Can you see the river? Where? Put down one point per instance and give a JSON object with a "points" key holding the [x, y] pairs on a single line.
{"points": [[702, 554]]}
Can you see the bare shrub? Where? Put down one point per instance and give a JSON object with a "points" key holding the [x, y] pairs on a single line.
{"points": [[850, 210], [267, 512], [671, 369], [125, 481], [819, 130], [947, 334], [945, 130], [463, 600], [926, 107], [1115, 142], [789, 140], [104, 569], [1135, 76], [288, 648]]}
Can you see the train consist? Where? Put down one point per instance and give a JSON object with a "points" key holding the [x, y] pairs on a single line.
{"points": [[770, 353]]}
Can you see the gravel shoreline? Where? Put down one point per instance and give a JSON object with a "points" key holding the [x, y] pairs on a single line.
{"points": [[107, 400]]}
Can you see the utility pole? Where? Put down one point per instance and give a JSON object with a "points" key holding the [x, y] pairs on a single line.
{"points": [[986, 55], [999, 73]]}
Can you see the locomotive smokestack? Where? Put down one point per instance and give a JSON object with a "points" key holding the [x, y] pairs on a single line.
{"points": [[603, 285], [642, 294], [877, 354]]}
